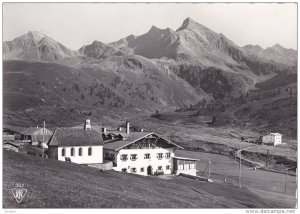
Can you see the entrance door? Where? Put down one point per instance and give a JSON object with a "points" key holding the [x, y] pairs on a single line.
{"points": [[149, 170]]}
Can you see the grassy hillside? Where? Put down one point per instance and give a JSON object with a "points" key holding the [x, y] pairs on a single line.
{"points": [[64, 95], [58, 184]]}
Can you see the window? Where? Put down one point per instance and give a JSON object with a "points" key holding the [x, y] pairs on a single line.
{"points": [[123, 157], [90, 151], [133, 170], [168, 167], [186, 166], [192, 166], [72, 151], [180, 167], [63, 152], [106, 155], [80, 152], [124, 170], [160, 168], [147, 156], [133, 157], [112, 156], [142, 169], [159, 155], [168, 155]]}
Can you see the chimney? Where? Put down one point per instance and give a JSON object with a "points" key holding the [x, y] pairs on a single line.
{"points": [[119, 128], [127, 127], [103, 130], [87, 125]]}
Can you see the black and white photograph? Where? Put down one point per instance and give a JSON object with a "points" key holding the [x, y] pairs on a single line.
{"points": [[143, 105]]}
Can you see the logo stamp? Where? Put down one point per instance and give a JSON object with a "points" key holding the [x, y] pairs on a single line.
{"points": [[19, 192]]}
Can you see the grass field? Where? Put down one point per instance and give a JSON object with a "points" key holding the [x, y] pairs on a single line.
{"points": [[55, 184], [224, 167]]}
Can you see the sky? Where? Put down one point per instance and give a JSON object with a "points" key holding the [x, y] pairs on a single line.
{"points": [[78, 24]]}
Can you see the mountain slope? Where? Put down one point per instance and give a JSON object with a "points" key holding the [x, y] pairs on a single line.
{"points": [[276, 53], [194, 43], [94, 89], [36, 46], [99, 50]]}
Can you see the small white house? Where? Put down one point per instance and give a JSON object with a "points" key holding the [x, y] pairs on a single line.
{"points": [[144, 153], [272, 139], [78, 145]]}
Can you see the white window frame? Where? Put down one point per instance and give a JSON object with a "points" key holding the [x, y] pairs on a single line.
{"points": [[159, 156], [133, 155], [168, 155], [125, 157]]}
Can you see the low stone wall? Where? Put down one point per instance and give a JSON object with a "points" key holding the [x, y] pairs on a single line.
{"points": [[107, 165]]}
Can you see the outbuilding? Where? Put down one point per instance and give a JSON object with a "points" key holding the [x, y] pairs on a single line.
{"points": [[272, 139]]}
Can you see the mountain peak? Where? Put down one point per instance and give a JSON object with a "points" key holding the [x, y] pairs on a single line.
{"points": [[154, 29], [187, 23], [253, 47], [96, 42], [37, 36], [277, 46]]}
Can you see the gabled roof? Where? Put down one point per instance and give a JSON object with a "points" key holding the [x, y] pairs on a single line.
{"points": [[16, 129], [132, 138], [23, 130], [273, 133], [75, 137]]}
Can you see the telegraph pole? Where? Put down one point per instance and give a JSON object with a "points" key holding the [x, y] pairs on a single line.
{"points": [[240, 168], [267, 160], [209, 162], [44, 124], [285, 183]]}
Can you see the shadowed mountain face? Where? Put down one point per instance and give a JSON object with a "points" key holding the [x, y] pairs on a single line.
{"points": [[99, 50], [160, 69]]}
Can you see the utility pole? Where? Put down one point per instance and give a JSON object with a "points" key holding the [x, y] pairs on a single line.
{"points": [[44, 124], [285, 183], [267, 159], [240, 168], [209, 169], [227, 161]]}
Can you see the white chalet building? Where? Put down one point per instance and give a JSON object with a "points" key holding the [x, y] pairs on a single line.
{"points": [[144, 153], [78, 145], [272, 139]]}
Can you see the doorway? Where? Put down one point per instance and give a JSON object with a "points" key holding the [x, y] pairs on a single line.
{"points": [[149, 170]]}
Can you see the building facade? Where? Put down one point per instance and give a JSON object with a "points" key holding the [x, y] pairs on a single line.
{"points": [[78, 145], [143, 153], [272, 139]]}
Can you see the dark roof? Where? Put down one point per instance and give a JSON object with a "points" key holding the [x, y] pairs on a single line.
{"points": [[131, 138], [12, 144], [75, 137], [16, 129], [23, 130], [184, 158]]}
